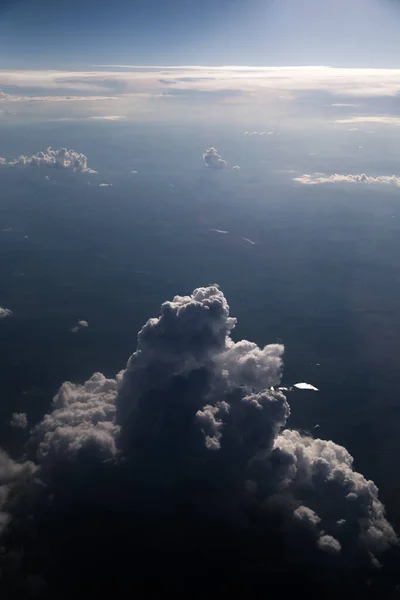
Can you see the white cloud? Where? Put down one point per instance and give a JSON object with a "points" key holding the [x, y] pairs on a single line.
{"points": [[213, 160], [5, 312], [62, 159], [383, 119], [321, 178], [50, 99], [109, 118], [355, 82], [344, 105], [305, 386]]}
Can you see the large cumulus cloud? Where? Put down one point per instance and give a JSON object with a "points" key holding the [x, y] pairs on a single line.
{"points": [[61, 159], [179, 474]]}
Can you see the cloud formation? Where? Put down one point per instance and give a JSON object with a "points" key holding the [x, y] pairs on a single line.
{"points": [[346, 82], [19, 420], [383, 119], [320, 178], [5, 312], [182, 463], [60, 159], [213, 160]]}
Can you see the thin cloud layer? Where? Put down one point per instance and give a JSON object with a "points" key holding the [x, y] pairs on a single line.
{"points": [[346, 82], [213, 160], [382, 119], [321, 178], [182, 463], [60, 159]]}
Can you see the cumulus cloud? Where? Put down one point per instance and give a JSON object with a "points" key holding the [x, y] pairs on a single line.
{"points": [[19, 420], [61, 159], [320, 178], [183, 462], [213, 160]]}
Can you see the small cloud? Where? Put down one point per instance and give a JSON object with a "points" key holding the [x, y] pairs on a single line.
{"points": [[105, 185], [109, 118], [19, 420], [134, 172], [5, 312], [321, 178], [213, 160], [344, 105], [249, 241], [305, 386], [81, 325], [219, 230], [236, 168], [327, 543]]}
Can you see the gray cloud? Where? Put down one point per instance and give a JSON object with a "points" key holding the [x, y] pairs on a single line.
{"points": [[61, 159], [213, 160], [19, 420], [184, 458], [5, 312]]}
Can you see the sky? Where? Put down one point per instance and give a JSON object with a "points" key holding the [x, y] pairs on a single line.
{"points": [[74, 34]]}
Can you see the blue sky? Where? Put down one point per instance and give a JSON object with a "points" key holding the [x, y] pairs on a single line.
{"points": [[76, 34]]}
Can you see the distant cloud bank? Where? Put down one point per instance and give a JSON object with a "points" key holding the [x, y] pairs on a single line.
{"points": [[320, 178]]}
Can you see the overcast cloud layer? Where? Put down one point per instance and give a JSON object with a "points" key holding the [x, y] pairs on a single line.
{"points": [[179, 474]]}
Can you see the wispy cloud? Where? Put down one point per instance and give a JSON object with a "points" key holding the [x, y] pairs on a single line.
{"points": [[383, 119], [109, 118]]}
